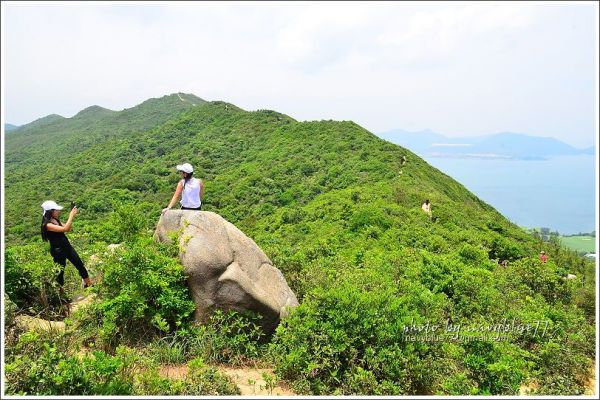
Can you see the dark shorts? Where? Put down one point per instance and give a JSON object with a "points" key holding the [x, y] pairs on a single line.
{"points": [[188, 208]]}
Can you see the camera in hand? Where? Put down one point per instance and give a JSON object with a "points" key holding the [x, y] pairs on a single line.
{"points": [[73, 205]]}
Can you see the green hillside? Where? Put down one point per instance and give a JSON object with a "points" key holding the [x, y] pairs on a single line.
{"points": [[338, 211], [52, 139]]}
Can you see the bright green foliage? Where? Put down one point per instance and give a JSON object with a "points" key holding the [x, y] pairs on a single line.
{"points": [[20, 278], [561, 370], [39, 366], [127, 222], [44, 365], [143, 287], [142, 291], [338, 212], [350, 342], [30, 276]]}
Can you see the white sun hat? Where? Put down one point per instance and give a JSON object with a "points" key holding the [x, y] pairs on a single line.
{"points": [[187, 168], [50, 205]]}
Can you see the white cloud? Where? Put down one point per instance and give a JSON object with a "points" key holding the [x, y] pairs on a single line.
{"points": [[321, 34], [460, 69], [436, 35]]}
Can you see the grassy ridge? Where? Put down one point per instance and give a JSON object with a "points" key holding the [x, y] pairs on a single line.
{"points": [[580, 244]]}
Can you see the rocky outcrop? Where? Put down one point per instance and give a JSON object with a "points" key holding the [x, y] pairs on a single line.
{"points": [[27, 323], [225, 268]]}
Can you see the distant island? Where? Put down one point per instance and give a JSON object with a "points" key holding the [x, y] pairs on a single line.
{"points": [[503, 145], [10, 127]]}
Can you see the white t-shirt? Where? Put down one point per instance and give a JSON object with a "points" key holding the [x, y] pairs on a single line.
{"points": [[426, 207], [190, 196]]}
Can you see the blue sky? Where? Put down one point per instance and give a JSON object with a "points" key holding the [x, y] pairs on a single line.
{"points": [[460, 69]]}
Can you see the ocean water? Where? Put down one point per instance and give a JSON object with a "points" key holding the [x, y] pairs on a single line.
{"points": [[558, 193]]}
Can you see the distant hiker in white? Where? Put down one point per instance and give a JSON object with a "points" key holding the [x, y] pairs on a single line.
{"points": [[426, 206], [189, 188]]}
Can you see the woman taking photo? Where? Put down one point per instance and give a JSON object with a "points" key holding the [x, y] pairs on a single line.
{"points": [[53, 231], [189, 188]]}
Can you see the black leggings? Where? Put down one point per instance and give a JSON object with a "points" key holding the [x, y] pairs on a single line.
{"points": [[188, 208], [61, 255]]}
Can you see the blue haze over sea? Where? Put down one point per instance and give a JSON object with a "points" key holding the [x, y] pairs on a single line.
{"points": [[558, 193]]}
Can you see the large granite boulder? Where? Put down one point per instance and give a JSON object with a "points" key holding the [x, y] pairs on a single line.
{"points": [[225, 268]]}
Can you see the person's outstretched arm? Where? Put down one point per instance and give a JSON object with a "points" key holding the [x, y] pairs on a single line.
{"points": [[175, 196], [66, 227]]}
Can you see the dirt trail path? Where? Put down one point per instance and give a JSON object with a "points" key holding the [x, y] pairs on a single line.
{"points": [[590, 388], [249, 380], [27, 322], [83, 301], [184, 100]]}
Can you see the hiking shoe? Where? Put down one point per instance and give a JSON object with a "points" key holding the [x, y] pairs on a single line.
{"points": [[65, 299]]}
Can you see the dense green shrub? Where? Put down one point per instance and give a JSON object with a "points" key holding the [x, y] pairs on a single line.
{"points": [[127, 221], [585, 299], [497, 368], [474, 256], [543, 278], [439, 273], [474, 292], [44, 366], [142, 292], [504, 249], [345, 341], [369, 217], [30, 281], [20, 284], [10, 322], [561, 370]]}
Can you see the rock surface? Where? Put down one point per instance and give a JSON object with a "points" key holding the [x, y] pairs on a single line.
{"points": [[225, 268], [27, 323]]}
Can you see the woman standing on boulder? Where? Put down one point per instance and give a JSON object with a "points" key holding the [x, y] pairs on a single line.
{"points": [[189, 188], [60, 247]]}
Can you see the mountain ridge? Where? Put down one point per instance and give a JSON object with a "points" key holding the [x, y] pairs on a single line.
{"points": [[499, 145], [93, 111], [60, 136]]}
